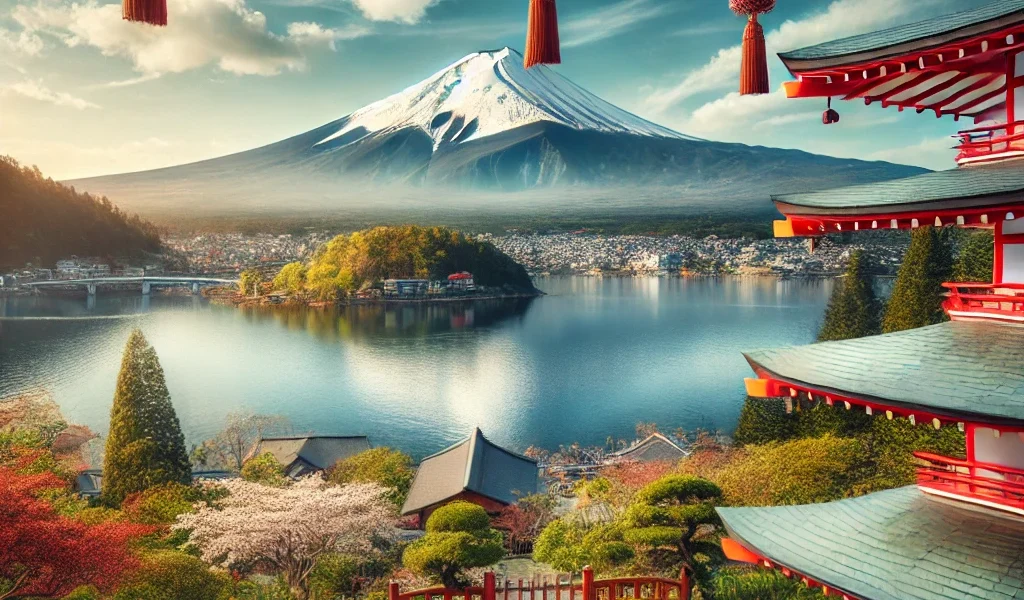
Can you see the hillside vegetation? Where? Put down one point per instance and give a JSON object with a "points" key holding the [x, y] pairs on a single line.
{"points": [[42, 221], [351, 262]]}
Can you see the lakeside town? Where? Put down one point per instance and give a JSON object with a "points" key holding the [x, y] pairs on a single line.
{"points": [[541, 254]]}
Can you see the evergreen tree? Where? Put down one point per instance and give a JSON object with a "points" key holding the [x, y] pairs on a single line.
{"points": [[917, 296], [145, 446], [763, 420], [976, 258], [853, 309]]}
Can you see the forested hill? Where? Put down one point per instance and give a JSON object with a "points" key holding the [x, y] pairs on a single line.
{"points": [[42, 221], [349, 262]]}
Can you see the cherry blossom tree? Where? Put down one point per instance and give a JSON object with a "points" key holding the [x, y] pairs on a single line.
{"points": [[288, 528]]}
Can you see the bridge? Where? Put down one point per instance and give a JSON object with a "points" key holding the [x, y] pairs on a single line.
{"points": [[147, 283]]}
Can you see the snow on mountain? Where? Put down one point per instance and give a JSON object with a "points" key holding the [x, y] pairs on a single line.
{"points": [[487, 93]]}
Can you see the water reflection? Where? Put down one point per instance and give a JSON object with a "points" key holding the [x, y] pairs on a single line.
{"points": [[373, 321], [589, 360]]}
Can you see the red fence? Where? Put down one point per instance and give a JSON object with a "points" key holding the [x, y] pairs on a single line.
{"points": [[561, 587], [993, 300], [972, 480]]}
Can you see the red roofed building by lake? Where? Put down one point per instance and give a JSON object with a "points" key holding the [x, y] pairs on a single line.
{"points": [[958, 533]]}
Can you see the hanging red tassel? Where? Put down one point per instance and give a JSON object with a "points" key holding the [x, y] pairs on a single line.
{"points": [[542, 46], [153, 12], [754, 69]]}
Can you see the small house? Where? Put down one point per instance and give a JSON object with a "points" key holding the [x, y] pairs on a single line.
{"points": [[654, 448], [474, 470], [461, 282], [405, 287], [304, 455]]}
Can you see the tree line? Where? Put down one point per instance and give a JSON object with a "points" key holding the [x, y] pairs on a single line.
{"points": [[44, 221]]}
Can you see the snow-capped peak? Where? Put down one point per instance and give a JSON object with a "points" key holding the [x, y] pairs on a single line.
{"points": [[490, 92]]}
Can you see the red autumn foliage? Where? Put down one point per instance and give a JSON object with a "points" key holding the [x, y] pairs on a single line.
{"points": [[635, 475], [47, 555]]}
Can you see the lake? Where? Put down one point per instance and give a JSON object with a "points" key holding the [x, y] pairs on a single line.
{"points": [[589, 360]]}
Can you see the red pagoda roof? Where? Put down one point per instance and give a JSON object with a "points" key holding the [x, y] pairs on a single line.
{"points": [[952, 65]]}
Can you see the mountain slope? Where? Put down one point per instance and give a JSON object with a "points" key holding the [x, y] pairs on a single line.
{"points": [[485, 134]]}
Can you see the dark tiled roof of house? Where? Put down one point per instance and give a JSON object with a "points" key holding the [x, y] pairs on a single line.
{"points": [[654, 448], [926, 33], [894, 545], [975, 185], [306, 454], [474, 465], [972, 371]]}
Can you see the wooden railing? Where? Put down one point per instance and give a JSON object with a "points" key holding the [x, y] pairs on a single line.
{"points": [[973, 481], [1002, 301], [990, 142], [560, 587]]}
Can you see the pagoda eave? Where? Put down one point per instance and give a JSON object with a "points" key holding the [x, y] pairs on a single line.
{"points": [[816, 225], [769, 385]]}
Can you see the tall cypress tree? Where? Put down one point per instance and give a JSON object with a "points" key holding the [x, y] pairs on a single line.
{"points": [[917, 296], [977, 257], [853, 310], [145, 446]]}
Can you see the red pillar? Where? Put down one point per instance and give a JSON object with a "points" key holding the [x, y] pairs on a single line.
{"points": [[684, 585], [488, 586], [588, 584], [393, 590]]}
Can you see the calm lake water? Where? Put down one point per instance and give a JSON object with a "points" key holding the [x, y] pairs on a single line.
{"points": [[589, 360]]}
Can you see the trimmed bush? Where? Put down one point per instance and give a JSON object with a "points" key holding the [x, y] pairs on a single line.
{"points": [[459, 537], [170, 575], [160, 505]]}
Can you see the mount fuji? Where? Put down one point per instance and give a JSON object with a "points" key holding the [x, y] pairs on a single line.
{"points": [[485, 134]]}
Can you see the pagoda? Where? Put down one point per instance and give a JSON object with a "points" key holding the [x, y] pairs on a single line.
{"points": [[959, 532]]}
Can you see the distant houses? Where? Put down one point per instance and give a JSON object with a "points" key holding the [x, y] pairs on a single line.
{"points": [[474, 470], [457, 284], [304, 455]]}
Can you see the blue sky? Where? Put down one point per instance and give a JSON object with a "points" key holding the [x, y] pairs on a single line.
{"points": [[84, 93]]}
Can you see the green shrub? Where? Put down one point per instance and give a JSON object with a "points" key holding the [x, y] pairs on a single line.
{"points": [[334, 577], [160, 505], [390, 468], [264, 469], [763, 420], [170, 575], [561, 546], [753, 583], [891, 445], [802, 471]]}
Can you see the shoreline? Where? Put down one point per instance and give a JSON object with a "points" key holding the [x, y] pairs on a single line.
{"points": [[219, 297]]}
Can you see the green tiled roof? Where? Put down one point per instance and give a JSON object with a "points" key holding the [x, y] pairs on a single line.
{"points": [[965, 186], [904, 34], [971, 371], [894, 545]]}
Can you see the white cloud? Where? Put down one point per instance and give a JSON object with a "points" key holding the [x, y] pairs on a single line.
{"points": [[24, 42], [35, 90], [930, 153], [315, 33], [735, 114], [399, 11], [224, 33], [609, 21], [842, 18]]}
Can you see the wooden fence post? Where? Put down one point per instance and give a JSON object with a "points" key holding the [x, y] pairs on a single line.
{"points": [[393, 592], [684, 585], [588, 584], [488, 586]]}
